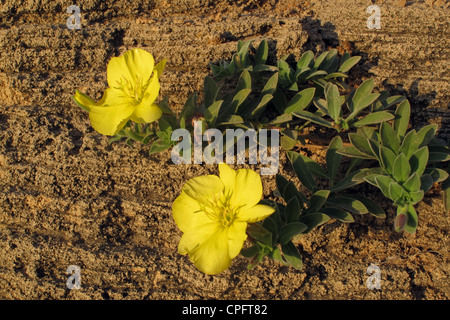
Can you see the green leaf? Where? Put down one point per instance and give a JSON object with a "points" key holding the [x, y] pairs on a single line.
{"points": [[426, 182], [320, 59], [338, 214], [316, 74], [188, 110], [396, 192], [279, 100], [438, 157], [373, 208], [317, 200], [352, 152], [285, 117], [383, 183], [281, 182], [159, 146], [164, 106], [416, 196], [314, 167], [292, 255], [313, 220], [412, 220], [305, 60], [387, 157], [389, 137], [401, 122], [261, 106], [347, 203], [361, 143], [418, 160], [238, 99], [331, 61], [361, 93], [300, 101], [290, 230], [413, 183], [437, 174], [335, 75], [292, 210], [426, 134], [446, 189], [349, 63], [401, 169], [262, 53], [409, 144], [271, 85], [211, 90], [333, 101], [301, 170], [244, 82], [291, 191], [212, 113], [333, 159], [250, 251], [374, 118], [313, 118], [286, 73]]}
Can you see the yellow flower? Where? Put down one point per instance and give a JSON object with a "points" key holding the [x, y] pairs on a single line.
{"points": [[213, 212], [133, 81]]}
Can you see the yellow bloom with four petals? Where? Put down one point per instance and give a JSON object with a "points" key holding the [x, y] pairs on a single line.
{"points": [[213, 213], [133, 81]]}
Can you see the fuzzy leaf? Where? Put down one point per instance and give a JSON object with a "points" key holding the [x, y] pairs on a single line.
{"points": [[418, 160], [413, 183], [290, 230], [292, 255], [338, 214], [317, 200], [300, 101], [389, 137], [373, 208], [401, 122], [333, 101], [426, 134], [361, 143], [262, 52], [401, 169], [348, 64], [348, 203], [313, 118], [305, 60], [409, 144], [333, 159], [301, 170], [313, 220], [374, 118]]}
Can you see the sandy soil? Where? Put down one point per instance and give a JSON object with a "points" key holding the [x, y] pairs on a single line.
{"points": [[69, 198]]}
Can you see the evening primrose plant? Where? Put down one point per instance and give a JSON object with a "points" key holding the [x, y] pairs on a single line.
{"points": [[223, 216]]}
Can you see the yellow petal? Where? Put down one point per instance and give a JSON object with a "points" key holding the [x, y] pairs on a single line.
{"points": [[159, 68], [132, 65], [211, 255], [203, 188], [254, 214], [248, 188], [187, 213], [109, 120], [228, 177], [147, 111], [146, 114], [236, 237]]}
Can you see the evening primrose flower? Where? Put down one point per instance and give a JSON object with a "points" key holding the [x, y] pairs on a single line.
{"points": [[213, 213], [133, 81]]}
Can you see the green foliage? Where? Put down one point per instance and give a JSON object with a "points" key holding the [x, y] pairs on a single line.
{"points": [[407, 161], [298, 214]]}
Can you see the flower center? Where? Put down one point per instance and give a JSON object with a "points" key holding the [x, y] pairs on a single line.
{"points": [[133, 92], [220, 209]]}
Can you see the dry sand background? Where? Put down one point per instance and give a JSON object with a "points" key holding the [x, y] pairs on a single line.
{"points": [[68, 198]]}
